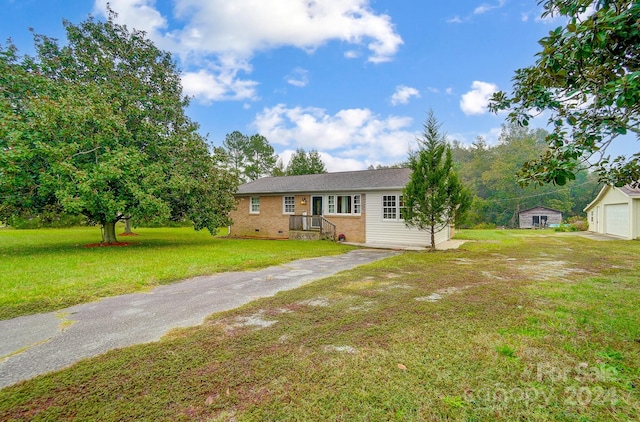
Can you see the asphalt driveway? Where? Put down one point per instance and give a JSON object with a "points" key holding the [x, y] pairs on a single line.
{"points": [[37, 344]]}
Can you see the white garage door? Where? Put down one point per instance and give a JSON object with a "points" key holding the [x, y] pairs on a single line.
{"points": [[617, 219]]}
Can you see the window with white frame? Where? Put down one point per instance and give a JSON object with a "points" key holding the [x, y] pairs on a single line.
{"points": [[389, 207], [393, 207], [401, 207], [344, 204], [289, 204], [254, 207]]}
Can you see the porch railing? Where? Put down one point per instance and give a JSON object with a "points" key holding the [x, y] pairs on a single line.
{"points": [[313, 223]]}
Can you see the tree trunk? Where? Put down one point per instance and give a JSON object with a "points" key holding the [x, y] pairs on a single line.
{"points": [[127, 226], [109, 232], [433, 238]]}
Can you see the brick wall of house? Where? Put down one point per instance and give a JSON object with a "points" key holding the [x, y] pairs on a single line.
{"points": [[271, 222], [352, 227]]}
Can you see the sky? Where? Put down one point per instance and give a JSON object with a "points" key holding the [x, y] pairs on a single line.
{"points": [[353, 79]]}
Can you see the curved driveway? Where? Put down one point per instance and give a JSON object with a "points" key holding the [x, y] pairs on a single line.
{"points": [[36, 344]]}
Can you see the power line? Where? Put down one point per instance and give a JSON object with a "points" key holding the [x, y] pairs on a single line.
{"points": [[536, 195]]}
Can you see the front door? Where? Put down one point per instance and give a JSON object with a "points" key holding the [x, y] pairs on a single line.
{"points": [[316, 211]]}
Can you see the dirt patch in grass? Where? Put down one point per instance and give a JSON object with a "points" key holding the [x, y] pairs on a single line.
{"points": [[542, 269], [106, 245]]}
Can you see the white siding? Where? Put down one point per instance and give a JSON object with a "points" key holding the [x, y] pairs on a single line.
{"points": [[385, 232], [613, 213], [635, 222]]}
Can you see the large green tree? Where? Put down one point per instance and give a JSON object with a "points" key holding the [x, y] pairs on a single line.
{"points": [[587, 79], [434, 196], [97, 127], [302, 162], [251, 157]]}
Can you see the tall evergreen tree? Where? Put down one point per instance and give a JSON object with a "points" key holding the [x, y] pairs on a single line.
{"points": [[249, 157], [434, 197], [261, 158], [235, 144], [302, 162]]}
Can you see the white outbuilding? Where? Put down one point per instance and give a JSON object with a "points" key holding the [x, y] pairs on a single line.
{"points": [[615, 211]]}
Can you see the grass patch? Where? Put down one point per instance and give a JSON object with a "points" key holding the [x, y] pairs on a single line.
{"points": [[506, 350], [509, 327], [50, 269]]}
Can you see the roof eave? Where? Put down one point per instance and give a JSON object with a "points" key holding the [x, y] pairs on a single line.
{"points": [[598, 197], [323, 191]]}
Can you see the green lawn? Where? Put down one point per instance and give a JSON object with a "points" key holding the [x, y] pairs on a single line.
{"points": [[512, 326], [44, 270]]}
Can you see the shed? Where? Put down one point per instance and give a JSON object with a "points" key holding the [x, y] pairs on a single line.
{"points": [[539, 217]]}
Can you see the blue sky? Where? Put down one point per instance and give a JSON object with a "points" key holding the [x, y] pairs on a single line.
{"points": [[353, 79]]}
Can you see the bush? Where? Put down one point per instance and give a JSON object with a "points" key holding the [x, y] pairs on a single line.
{"points": [[165, 223], [575, 224], [46, 221], [580, 223], [485, 226]]}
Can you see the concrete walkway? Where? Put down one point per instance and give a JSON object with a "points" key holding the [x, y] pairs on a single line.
{"points": [[36, 344], [446, 245]]}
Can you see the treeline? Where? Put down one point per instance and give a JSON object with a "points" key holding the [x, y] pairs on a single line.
{"points": [[490, 172], [252, 157]]}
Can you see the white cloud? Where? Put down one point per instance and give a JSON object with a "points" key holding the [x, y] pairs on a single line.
{"points": [[298, 77], [476, 100], [492, 136], [219, 82], [355, 135], [403, 94], [467, 138], [351, 54], [242, 27], [485, 7], [334, 164], [479, 10], [138, 14], [208, 87], [236, 30]]}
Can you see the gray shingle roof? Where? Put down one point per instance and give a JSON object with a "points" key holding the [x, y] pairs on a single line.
{"points": [[630, 191], [347, 181], [540, 206]]}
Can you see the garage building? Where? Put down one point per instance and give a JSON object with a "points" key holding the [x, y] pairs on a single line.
{"points": [[615, 211]]}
